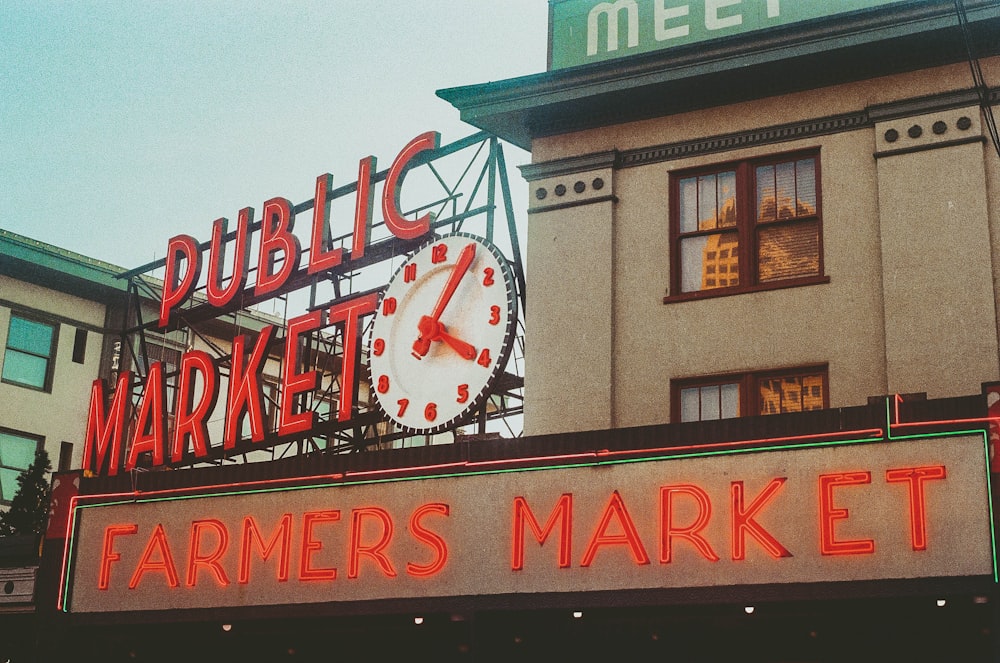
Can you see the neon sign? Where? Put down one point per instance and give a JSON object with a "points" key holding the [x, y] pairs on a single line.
{"points": [[823, 512], [117, 437]]}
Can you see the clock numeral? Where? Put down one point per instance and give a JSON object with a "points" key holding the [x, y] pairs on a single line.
{"points": [[431, 412], [439, 253], [484, 358], [378, 347], [463, 393], [402, 402], [383, 384], [488, 277], [410, 272], [389, 305], [494, 315]]}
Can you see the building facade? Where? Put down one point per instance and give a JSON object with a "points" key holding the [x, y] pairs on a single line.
{"points": [[807, 203]]}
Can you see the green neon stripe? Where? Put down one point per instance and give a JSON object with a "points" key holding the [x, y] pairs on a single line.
{"points": [[598, 463]]}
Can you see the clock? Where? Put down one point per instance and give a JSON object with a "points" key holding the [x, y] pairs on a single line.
{"points": [[443, 333]]}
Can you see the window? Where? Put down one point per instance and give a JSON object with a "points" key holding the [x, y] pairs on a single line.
{"points": [[29, 358], [748, 394], [17, 452], [746, 226], [80, 346]]}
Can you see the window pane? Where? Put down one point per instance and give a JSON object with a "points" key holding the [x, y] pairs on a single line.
{"points": [[8, 483], [710, 261], [690, 407], [30, 336], [727, 199], [784, 183], [17, 452], [709, 403], [791, 394], [788, 251], [689, 204], [730, 400], [812, 392], [707, 203], [805, 177], [766, 204], [24, 369]]}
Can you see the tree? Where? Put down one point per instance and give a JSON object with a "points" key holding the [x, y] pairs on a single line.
{"points": [[29, 510]]}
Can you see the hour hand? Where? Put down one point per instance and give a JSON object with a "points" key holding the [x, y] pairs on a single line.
{"points": [[432, 330]]}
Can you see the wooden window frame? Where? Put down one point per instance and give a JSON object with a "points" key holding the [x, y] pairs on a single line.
{"points": [[50, 366], [747, 227], [749, 387]]}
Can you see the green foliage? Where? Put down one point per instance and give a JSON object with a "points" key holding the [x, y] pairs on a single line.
{"points": [[29, 510]]}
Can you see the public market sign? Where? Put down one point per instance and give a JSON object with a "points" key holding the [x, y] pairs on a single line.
{"points": [[585, 31], [845, 512], [430, 344]]}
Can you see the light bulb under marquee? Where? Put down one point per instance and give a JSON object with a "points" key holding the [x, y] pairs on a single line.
{"points": [[443, 332]]}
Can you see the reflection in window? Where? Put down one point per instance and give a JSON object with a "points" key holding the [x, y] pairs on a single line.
{"points": [[791, 394], [30, 352], [17, 452]]}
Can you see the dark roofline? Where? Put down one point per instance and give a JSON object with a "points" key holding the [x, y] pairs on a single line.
{"points": [[810, 54], [30, 260]]}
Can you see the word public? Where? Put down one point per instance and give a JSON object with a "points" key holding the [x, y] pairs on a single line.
{"points": [[279, 258]]}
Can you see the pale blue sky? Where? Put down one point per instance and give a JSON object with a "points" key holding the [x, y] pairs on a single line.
{"points": [[125, 123]]}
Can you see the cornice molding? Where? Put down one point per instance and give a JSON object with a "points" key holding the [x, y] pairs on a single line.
{"points": [[580, 164]]}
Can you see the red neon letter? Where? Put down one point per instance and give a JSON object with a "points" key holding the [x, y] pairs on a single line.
{"points": [[309, 547], [349, 313], [394, 219], [434, 541], [293, 382], [669, 530], [175, 292], [157, 544], [190, 418], [216, 294], [152, 411], [276, 237], [244, 388], [828, 515], [628, 537], [320, 258], [252, 537], [210, 560], [915, 478], [363, 207], [104, 435], [373, 550], [743, 520], [563, 512], [108, 555]]}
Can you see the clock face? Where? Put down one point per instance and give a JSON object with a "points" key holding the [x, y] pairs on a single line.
{"points": [[443, 333]]}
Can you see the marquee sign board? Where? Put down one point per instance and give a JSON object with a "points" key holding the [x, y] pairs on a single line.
{"points": [[586, 31], [841, 512]]}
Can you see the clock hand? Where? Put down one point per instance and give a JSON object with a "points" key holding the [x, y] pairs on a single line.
{"points": [[465, 258], [464, 349], [431, 330]]}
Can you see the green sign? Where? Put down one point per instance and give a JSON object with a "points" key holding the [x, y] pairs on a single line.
{"points": [[585, 31]]}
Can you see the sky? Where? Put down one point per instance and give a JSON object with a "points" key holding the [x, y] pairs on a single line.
{"points": [[123, 124]]}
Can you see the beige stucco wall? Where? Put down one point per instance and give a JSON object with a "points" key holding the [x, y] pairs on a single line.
{"points": [[59, 415], [941, 337]]}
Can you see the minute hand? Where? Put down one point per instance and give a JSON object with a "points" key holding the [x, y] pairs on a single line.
{"points": [[465, 258]]}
